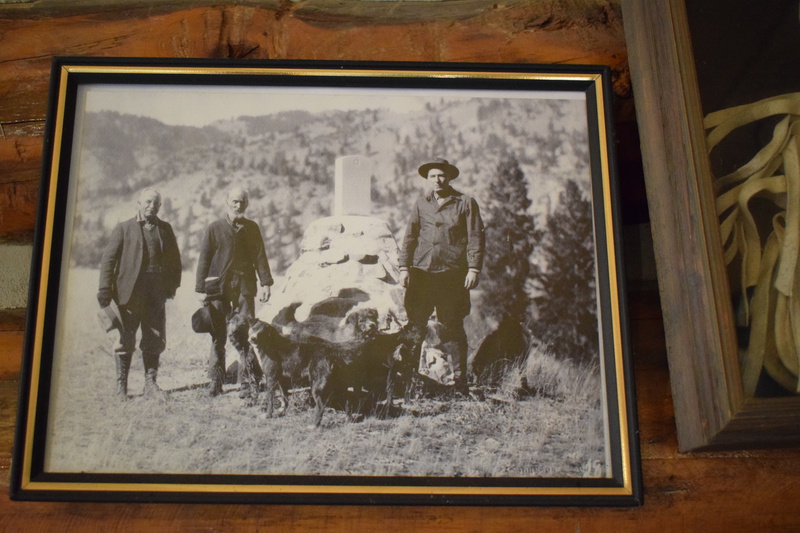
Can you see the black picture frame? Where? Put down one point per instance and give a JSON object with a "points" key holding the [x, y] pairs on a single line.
{"points": [[47, 369]]}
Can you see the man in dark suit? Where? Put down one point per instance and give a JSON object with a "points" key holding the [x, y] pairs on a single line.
{"points": [[231, 255], [440, 260], [140, 270]]}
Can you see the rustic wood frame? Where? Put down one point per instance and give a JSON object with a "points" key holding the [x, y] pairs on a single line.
{"points": [[711, 410], [30, 481]]}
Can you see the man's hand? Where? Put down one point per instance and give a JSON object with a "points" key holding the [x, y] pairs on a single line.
{"points": [[264, 293], [471, 280], [104, 297], [404, 277], [203, 297]]}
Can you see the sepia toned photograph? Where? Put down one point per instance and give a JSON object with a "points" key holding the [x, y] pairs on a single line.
{"points": [[299, 283]]}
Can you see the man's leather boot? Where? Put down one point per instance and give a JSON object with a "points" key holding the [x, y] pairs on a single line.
{"points": [[151, 388], [123, 365]]}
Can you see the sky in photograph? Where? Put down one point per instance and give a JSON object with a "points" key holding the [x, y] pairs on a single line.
{"points": [[199, 106]]}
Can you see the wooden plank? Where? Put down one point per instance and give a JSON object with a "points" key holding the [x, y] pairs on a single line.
{"points": [[18, 205], [353, 11], [515, 33], [20, 77], [10, 354], [12, 319], [20, 158], [9, 393], [683, 269], [20, 173]]}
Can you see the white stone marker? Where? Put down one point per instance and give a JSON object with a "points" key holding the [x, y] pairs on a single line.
{"points": [[352, 184]]}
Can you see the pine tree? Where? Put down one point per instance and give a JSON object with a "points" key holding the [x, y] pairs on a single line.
{"points": [[566, 303], [510, 238]]}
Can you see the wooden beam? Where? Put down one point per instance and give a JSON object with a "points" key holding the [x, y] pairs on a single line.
{"points": [[543, 31], [339, 13]]}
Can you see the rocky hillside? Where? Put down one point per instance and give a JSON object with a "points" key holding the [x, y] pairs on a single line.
{"points": [[287, 162]]}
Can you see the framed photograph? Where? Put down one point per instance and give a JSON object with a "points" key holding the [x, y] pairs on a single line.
{"points": [[716, 102], [327, 282]]}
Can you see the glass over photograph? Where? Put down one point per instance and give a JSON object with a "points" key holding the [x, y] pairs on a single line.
{"points": [[320, 285]]}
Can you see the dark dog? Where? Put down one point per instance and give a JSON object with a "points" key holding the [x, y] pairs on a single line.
{"points": [[501, 350], [330, 368], [250, 372], [356, 324]]}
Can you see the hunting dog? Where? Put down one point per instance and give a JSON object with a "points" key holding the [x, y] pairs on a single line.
{"points": [[250, 372], [363, 365], [358, 323]]}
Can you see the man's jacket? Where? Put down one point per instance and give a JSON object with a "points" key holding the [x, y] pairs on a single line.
{"points": [[444, 237], [215, 263], [122, 259]]}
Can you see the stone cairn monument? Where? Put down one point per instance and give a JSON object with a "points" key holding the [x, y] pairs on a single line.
{"points": [[347, 265]]}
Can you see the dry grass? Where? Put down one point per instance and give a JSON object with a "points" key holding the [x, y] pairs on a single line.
{"points": [[545, 374], [557, 432]]}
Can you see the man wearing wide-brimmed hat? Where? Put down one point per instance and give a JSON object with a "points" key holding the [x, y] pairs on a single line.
{"points": [[440, 261], [140, 269]]}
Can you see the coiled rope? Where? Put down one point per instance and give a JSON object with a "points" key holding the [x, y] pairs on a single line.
{"points": [[768, 250]]}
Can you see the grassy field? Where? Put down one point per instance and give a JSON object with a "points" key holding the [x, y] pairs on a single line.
{"points": [[555, 432]]}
